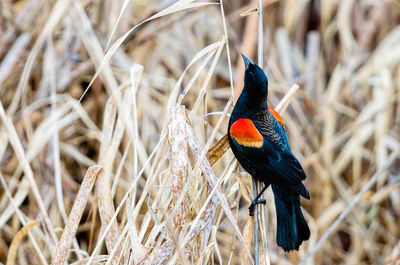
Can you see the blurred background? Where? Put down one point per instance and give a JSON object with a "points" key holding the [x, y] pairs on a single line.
{"points": [[86, 82]]}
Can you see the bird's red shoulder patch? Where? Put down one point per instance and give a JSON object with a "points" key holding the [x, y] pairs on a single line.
{"points": [[245, 133], [276, 115]]}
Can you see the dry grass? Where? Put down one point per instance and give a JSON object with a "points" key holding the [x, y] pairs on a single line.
{"points": [[110, 111]]}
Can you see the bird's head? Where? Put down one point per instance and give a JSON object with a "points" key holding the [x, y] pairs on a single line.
{"points": [[255, 80]]}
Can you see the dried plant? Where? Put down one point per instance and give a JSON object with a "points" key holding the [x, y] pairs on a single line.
{"points": [[113, 116]]}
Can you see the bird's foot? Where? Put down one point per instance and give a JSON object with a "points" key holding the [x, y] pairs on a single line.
{"points": [[253, 205]]}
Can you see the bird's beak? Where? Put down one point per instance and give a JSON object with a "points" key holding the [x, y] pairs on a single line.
{"points": [[247, 61]]}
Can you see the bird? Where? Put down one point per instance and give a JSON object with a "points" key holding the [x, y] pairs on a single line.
{"points": [[257, 137]]}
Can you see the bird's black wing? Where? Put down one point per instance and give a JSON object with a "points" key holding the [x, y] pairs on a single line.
{"points": [[273, 161], [285, 165]]}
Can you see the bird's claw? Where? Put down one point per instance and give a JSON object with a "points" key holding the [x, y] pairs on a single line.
{"points": [[253, 205]]}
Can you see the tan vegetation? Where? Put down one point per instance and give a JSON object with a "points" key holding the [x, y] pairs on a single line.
{"points": [[110, 112]]}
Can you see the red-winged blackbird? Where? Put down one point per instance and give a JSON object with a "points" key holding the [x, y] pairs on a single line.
{"points": [[259, 142]]}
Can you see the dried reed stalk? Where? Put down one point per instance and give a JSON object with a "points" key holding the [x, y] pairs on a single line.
{"points": [[60, 255], [343, 126], [179, 160], [12, 253]]}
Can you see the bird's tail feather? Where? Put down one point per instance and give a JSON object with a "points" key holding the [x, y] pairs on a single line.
{"points": [[292, 228]]}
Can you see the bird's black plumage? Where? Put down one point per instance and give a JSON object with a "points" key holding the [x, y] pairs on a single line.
{"points": [[263, 150]]}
